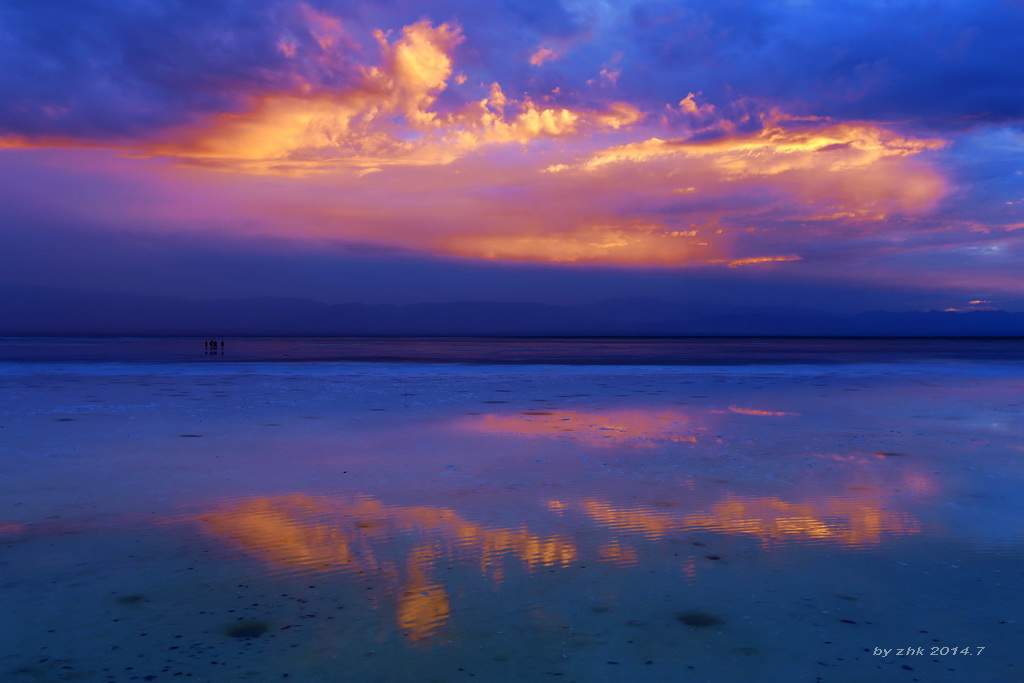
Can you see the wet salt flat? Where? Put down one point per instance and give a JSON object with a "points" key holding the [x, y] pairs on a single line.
{"points": [[419, 522]]}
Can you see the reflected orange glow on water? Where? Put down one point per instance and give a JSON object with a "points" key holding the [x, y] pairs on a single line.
{"points": [[634, 427], [853, 520], [310, 534], [843, 521], [422, 606], [754, 411], [618, 553], [402, 546], [11, 529]]}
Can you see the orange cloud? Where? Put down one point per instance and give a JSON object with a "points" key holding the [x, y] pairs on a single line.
{"points": [[385, 163], [621, 244], [836, 173], [776, 149], [325, 29], [656, 204], [386, 119], [688, 105], [545, 54], [21, 142], [761, 259], [484, 189]]}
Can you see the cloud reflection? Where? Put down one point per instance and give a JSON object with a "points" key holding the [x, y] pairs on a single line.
{"points": [[312, 535], [403, 546], [852, 520], [624, 427]]}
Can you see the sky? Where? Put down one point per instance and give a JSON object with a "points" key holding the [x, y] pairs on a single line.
{"points": [[845, 155]]}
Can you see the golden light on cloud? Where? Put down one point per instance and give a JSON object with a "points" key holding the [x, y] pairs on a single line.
{"points": [[544, 54], [325, 29], [12, 142], [383, 158], [314, 130], [839, 174], [385, 119], [688, 105], [776, 149], [761, 259], [447, 189], [622, 245]]}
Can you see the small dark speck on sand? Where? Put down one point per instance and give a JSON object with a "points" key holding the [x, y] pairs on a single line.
{"points": [[246, 629], [133, 599], [700, 619]]}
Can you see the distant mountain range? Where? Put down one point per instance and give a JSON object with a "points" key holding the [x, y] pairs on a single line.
{"points": [[39, 311]]}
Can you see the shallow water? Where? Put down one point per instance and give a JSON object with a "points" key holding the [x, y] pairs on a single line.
{"points": [[713, 351], [387, 522]]}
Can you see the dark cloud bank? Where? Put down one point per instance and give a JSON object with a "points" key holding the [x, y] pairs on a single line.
{"points": [[93, 69], [43, 311]]}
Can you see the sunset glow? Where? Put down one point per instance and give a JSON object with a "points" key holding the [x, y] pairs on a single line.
{"points": [[347, 131], [437, 340]]}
